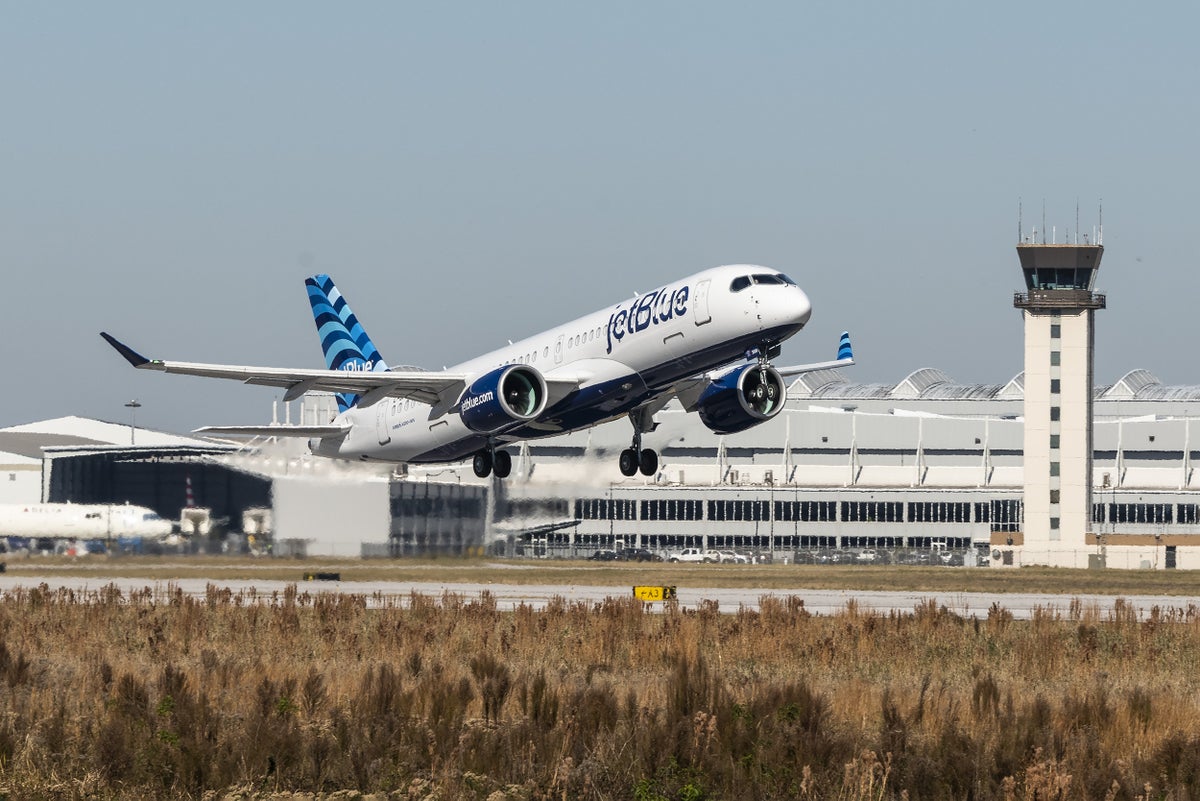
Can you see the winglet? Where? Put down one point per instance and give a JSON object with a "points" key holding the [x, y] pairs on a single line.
{"points": [[844, 349], [131, 355]]}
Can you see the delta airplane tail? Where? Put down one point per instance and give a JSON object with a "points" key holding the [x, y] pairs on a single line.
{"points": [[343, 340]]}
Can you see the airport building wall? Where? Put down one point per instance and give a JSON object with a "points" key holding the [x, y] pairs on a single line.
{"points": [[324, 517]]}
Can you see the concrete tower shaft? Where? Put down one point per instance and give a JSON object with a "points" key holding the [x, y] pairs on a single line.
{"points": [[1058, 307]]}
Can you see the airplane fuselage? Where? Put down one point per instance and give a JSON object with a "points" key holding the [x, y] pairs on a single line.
{"points": [[621, 357], [80, 520]]}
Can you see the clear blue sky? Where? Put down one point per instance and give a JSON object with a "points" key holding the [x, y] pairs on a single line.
{"points": [[470, 173]]}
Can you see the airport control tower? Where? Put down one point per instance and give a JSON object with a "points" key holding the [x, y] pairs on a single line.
{"points": [[1058, 305]]}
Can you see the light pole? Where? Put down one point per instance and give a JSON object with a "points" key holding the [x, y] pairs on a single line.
{"points": [[132, 406]]}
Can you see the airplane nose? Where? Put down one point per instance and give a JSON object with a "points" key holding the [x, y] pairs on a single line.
{"points": [[801, 308]]}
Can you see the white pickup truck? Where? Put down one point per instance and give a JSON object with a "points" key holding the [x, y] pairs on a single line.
{"points": [[694, 555]]}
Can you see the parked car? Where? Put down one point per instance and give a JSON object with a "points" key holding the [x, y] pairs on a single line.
{"points": [[637, 555], [695, 555], [606, 555], [867, 555], [731, 557]]}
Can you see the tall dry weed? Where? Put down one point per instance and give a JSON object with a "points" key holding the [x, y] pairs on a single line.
{"points": [[153, 693]]}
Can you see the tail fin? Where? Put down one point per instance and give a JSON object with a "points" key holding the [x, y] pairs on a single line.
{"points": [[343, 340], [844, 349]]}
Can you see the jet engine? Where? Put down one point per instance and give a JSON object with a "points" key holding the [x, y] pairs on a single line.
{"points": [[742, 398], [512, 394]]}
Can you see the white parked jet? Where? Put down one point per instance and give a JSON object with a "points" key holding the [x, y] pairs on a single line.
{"points": [[707, 340], [81, 520]]}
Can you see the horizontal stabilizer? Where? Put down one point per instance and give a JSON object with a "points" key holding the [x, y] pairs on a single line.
{"points": [[320, 432], [845, 358]]}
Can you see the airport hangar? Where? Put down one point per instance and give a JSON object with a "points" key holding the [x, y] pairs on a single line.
{"points": [[844, 465]]}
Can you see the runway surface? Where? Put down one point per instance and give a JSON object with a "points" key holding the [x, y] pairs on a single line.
{"points": [[509, 596]]}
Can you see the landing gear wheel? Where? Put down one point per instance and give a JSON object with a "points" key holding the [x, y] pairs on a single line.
{"points": [[482, 464], [628, 462], [502, 464], [648, 462]]}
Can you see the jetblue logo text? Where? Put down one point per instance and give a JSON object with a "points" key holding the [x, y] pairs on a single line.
{"points": [[651, 309], [473, 401]]}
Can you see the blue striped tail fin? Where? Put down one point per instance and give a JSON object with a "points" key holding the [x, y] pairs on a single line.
{"points": [[844, 349], [343, 340]]}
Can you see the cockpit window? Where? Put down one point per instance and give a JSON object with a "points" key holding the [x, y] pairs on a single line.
{"points": [[767, 278], [739, 283], [787, 280]]}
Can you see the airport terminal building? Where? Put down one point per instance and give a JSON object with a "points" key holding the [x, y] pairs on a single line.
{"points": [[923, 463], [1046, 468]]}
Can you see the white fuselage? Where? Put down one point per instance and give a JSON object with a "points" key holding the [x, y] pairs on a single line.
{"points": [[622, 357], [80, 520]]}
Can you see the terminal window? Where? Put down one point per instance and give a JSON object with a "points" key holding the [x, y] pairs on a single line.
{"points": [[1188, 513], [1140, 512], [739, 510], [672, 509], [604, 509], [939, 512], [873, 511], [806, 511], [1006, 515]]}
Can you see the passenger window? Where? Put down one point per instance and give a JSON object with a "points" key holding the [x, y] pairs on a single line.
{"points": [[739, 283]]}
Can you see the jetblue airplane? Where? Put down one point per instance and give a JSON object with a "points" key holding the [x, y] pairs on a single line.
{"points": [[707, 340]]}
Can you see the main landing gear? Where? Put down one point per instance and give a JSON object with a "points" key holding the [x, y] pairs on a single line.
{"points": [[489, 460], [635, 458]]}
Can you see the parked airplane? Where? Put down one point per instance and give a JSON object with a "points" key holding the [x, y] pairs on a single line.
{"points": [[707, 340], [81, 520]]}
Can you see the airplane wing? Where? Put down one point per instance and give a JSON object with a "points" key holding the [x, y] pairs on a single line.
{"points": [[437, 389], [319, 432]]}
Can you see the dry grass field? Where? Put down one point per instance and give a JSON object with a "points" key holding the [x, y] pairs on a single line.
{"points": [[116, 695]]}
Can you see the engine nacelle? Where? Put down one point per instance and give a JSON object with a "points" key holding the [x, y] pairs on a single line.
{"points": [[741, 399], [507, 395]]}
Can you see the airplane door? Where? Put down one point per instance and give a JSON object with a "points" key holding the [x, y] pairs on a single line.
{"points": [[381, 422], [701, 306], [558, 349]]}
